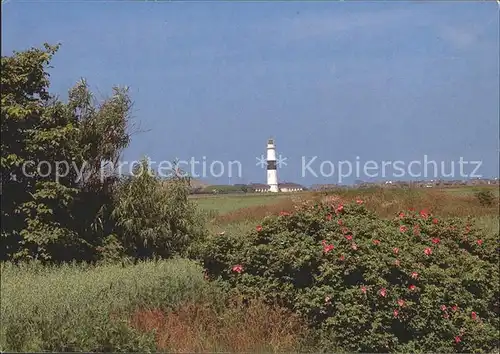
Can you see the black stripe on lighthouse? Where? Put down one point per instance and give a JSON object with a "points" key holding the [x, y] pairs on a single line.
{"points": [[271, 165]]}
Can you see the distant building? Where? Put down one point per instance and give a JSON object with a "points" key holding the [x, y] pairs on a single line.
{"points": [[290, 187], [283, 187]]}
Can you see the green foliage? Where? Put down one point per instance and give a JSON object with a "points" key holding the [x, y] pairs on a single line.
{"points": [[86, 308], [80, 209], [485, 197], [55, 214], [155, 218], [368, 284]]}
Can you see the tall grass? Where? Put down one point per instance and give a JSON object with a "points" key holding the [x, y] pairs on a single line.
{"points": [[84, 308]]}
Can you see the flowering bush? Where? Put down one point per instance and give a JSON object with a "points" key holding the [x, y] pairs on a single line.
{"points": [[412, 283]]}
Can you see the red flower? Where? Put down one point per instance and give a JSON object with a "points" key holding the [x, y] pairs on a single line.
{"points": [[424, 213], [363, 289], [383, 292], [327, 248], [473, 315], [359, 201], [412, 287], [396, 313], [454, 308], [284, 213], [479, 242], [328, 217], [401, 215], [403, 228], [428, 251], [411, 209], [395, 250], [401, 302], [348, 237], [339, 222], [414, 275], [340, 208], [342, 257], [259, 228], [457, 339], [443, 307], [376, 242], [238, 268], [435, 240], [434, 221]]}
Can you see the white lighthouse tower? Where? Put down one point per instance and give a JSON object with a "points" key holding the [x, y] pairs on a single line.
{"points": [[272, 173]]}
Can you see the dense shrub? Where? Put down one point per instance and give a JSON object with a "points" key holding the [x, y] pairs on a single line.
{"points": [[485, 197], [87, 308], [154, 217], [412, 283]]}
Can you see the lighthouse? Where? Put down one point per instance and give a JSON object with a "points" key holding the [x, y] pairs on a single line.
{"points": [[272, 173]]}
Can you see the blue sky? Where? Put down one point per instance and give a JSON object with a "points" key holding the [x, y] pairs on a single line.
{"points": [[381, 81]]}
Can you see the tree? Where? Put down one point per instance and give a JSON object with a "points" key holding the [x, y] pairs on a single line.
{"points": [[56, 214]]}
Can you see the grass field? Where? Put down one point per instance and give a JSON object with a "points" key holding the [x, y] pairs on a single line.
{"points": [[238, 213]]}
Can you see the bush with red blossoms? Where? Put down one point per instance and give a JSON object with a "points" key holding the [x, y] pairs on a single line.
{"points": [[389, 288]]}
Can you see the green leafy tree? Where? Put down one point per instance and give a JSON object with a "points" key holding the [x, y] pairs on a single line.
{"points": [[154, 217], [57, 214]]}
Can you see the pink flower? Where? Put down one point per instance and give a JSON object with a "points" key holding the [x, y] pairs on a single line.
{"points": [[403, 228], [445, 315], [473, 315], [457, 339], [428, 251], [284, 213], [424, 213], [395, 250], [401, 302], [354, 246], [416, 230], [414, 275], [363, 289], [412, 287], [340, 208], [348, 237], [454, 308], [376, 242], [443, 307], [326, 248], [329, 217], [339, 222], [479, 242], [238, 268], [401, 215], [383, 292], [259, 228], [435, 221], [396, 313], [359, 201], [342, 257], [435, 240]]}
